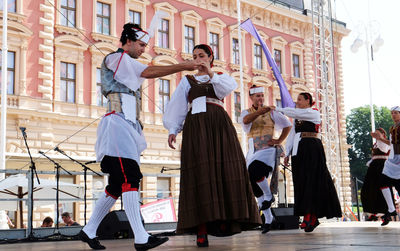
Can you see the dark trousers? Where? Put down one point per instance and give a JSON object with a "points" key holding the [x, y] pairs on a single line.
{"points": [[124, 174], [257, 171]]}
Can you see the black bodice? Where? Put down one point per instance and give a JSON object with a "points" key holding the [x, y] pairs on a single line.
{"points": [[305, 126]]}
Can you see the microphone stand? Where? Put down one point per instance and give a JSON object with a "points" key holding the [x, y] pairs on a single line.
{"points": [[33, 174], [85, 168], [57, 167], [284, 181]]}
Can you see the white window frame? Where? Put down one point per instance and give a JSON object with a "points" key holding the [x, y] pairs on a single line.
{"points": [[190, 18], [216, 25]]}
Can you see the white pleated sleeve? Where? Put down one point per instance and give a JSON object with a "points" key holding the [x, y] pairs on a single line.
{"points": [[307, 114], [177, 108], [127, 70], [223, 85], [246, 127]]}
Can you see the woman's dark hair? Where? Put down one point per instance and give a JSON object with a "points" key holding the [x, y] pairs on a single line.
{"points": [[307, 96], [129, 32], [207, 49], [382, 131]]}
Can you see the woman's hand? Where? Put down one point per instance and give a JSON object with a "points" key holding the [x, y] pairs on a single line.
{"points": [[190, 65], [262, 110], [171, 139], [286, 161], [206, 68]]}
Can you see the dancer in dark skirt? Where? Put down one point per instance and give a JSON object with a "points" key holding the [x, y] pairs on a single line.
{"points": [[314, 192], [372, 198], [215, 193], [391, 170]]}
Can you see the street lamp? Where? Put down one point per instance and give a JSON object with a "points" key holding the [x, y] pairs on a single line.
{"points": [[371, 29]]}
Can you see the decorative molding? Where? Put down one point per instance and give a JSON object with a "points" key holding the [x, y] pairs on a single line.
{"points": [[104, 38], [164, 51], [47, 34]]}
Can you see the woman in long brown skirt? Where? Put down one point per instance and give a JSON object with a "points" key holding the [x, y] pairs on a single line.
{"points": [[215, 193]]}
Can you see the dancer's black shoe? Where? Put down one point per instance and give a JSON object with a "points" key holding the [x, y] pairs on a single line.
{"points": [[372, 217], [93, 243], [265, 228], [388, 217], [310, 227], [202, 241], [152, 242]]}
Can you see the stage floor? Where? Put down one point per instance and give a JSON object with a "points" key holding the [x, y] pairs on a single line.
{"points": [[363, 236]]}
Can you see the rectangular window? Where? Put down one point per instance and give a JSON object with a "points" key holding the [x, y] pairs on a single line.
{"points": [[101, 100], [237, 106], [10, 71], [163, 188], [163, 34], [11, 5], [258, 57], [164, 93], [278, 59], [296, 65], [67, 82], [103, 18], [68, 11], [235, 51], [214, 44], [189, 39], [135, 17]]}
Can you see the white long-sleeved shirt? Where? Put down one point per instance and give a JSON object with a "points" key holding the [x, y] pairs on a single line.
{"points": [[116, 135], [177, 108], [268, 155], [307, 114]]}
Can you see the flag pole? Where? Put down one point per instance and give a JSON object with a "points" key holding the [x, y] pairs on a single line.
{"points": [[3, 92], [243, 135], [3, 103]]}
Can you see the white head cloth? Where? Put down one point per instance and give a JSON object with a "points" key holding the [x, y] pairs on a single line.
{"points": [[142, 36], [395, 108], [256, 90]]}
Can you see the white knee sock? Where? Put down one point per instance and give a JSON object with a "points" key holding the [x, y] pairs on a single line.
{"points": [[132, 209], [265, 188], [268, 216], [101, 209], [389, 200]]}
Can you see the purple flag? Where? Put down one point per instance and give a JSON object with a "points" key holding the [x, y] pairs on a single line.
{"points": [[286, 99]]}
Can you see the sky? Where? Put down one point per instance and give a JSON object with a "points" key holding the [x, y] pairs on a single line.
{"points": [[385, 70]]}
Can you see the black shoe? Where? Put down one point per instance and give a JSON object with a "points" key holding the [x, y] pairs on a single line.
{"points": [[388, 217], [265, 228], [309, 228], [372, 218], [267, 204], [202, 241], [151, 243], [93, 243]]}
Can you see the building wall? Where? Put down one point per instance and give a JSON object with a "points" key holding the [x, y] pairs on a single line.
{"points": [[40, 42]]}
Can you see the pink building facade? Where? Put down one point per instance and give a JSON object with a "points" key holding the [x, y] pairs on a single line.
{"points": [[56, 49]]}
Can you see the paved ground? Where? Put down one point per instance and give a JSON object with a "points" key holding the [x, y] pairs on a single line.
{"points": [[341, 236]]}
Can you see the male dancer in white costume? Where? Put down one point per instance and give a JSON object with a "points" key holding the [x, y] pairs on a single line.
{"points": [[259, 123], [120, 139]]}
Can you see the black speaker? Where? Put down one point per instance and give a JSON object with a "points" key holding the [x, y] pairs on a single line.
{"points": [[284, 218], [115, 226]]}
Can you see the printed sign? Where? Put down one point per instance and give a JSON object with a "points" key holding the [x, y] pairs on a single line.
{"points": [[159, 211]]}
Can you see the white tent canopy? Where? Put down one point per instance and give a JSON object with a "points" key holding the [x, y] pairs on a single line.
{"points": [[16, 186]]}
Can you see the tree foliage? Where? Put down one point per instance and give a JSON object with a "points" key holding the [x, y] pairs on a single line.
{"points": [[358, 136]]}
